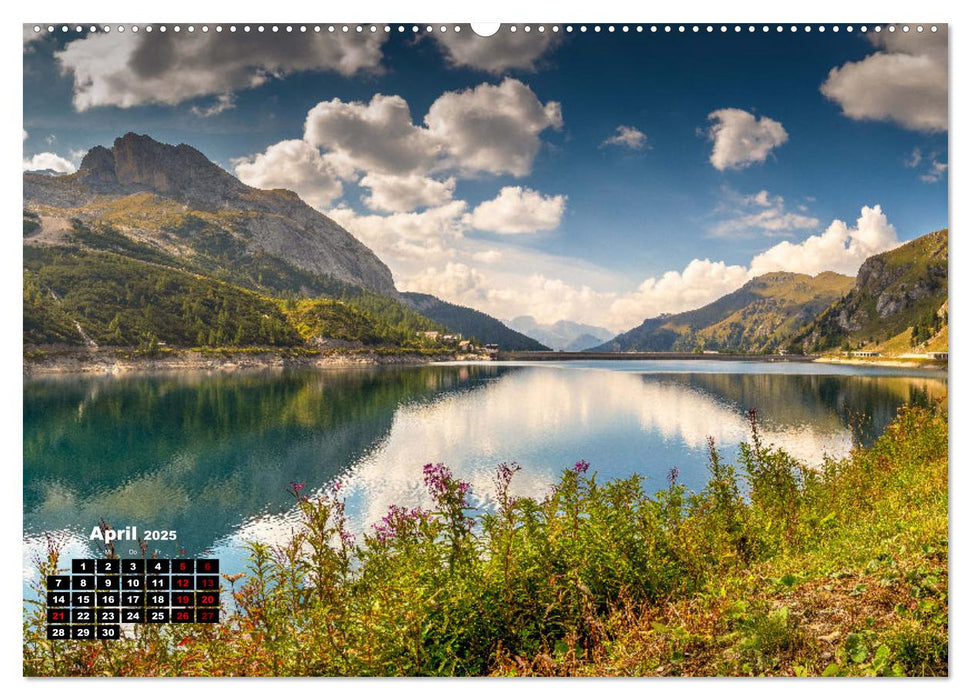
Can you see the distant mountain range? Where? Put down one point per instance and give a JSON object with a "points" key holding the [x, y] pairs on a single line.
{"points": [[469, 322], [896, 304], [151, 241], [562, 335], [760, 316]]}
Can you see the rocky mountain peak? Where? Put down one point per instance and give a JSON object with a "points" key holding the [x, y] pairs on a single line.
{"points": [[264, 222], [136, 161]]}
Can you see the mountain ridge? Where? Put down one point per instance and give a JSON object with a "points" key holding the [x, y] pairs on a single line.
{"points": [[897, 290], [470, 322], [561, 335], [197, 197], [758, 317]]}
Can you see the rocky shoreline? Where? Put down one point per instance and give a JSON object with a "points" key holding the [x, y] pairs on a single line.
{"points": [[913, 362], [43, 361]]}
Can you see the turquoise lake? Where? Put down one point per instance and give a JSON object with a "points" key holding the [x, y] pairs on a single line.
{"points": [[211, 455]]}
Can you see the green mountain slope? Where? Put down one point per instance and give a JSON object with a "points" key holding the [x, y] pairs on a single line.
{"points": [[900, 292], [759, 317], [150, 241], [83, 297], [470, 323]]}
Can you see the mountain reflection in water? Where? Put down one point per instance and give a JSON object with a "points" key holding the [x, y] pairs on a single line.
{"points": [[211, 455]]}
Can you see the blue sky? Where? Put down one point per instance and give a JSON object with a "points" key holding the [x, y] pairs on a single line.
{"points": [[598, 177]]}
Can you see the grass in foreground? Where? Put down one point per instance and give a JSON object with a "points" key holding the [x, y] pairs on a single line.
{"points": [[838, 571]]}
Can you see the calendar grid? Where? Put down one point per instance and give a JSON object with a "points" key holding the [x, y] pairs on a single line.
{"points": [[99, 595]]}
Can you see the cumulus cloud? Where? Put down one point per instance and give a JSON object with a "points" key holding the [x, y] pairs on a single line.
{"points": [[404, 237], [453, 281], [840, 248], [127, 69], [487, 129], [741, 139], [700, 282], [759, 214], [507, 281], [293, 165], [492, 128], [904, 82], [403, 193], [48, 161], [627, 137], [499, 53], [518, 210], [377, 136]]}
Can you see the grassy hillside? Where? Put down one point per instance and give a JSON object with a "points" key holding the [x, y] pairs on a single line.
{"points": [[902, 292], [772, 569], [77, 296], [759, 317], [126, 291]]}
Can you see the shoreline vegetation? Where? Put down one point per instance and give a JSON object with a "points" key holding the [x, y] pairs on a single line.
{"points": [[55, 360], [771, 569]]}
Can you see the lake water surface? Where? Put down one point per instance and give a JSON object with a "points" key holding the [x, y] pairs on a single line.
{"points": [[211, 455]]}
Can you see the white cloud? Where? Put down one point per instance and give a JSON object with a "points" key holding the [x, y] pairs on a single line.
{"points": [[404, 237], [126, 69], [518, 210], [627, 137], [699, 283], [49, 161], [936, 169], [221, 104], [759, 214], [293, 165], [376, 137], [740, 139], [490, 256], [840, 248], [403, 193], [31, 37], [914, 159], [935, 173], [492, 128], [487, 129], [905, 81], [498, 53], [453, 281]]}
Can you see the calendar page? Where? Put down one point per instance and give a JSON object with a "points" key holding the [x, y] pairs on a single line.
{"points": [[527, 349]]}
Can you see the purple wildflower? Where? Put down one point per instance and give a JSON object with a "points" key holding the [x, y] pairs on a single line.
{"points": [[581, 467], [502, 478], [397, 522], [440, 482]]}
